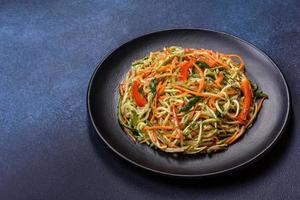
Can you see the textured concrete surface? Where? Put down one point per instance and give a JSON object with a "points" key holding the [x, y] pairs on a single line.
{"points": [[48, 51]]}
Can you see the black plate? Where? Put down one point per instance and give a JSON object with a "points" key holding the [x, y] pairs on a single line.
{"points": [[103, 97]]}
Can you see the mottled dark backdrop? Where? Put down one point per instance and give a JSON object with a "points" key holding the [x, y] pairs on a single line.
{"points": [[48, 51]]}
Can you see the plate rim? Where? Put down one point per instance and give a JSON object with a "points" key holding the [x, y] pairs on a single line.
{"points": [[219, 172]]}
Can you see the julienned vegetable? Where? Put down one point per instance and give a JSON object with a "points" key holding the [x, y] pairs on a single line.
{"points": [[188, 100], [139, 99], [184, 72], [153, 85], [190, 104], [202, 64], [248, 98]]}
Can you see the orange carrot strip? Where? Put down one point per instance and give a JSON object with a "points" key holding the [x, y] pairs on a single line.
{"points": [[202, 81], [175, 116], [235, 136], [231, 92], [241, 64], [219, 79], [256, 111], [170, 135], [188, 50], [247, 91], [211, 102], [260, 104], [165, 75], [152, 137], [166, 68], [152, 117], [175, 60], [208, 55], [162, 56], [203, 116], [121, 90], [190, 91]]}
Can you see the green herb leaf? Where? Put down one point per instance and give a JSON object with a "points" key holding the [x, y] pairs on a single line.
{"points": [[135, 132], [190, 104], [260, 94], [257, 92], [219, 115], [148, 123], [132, 130], [202, 64], [253, 86], [153, 85], [195, 73]]}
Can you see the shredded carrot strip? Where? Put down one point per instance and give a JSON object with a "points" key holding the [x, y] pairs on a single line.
{"points": [[219, 80], [175, 60], [166, 68], [211, 102], [121, 90], [190, 91], [260, 103], [231, 92], [241, 64], [170, 135], [235, 136], [165, 75], [175, 116], [162, 56], [211, 56]]}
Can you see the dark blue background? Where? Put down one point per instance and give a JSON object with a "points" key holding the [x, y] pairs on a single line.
{"points": [[49, 50]]}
